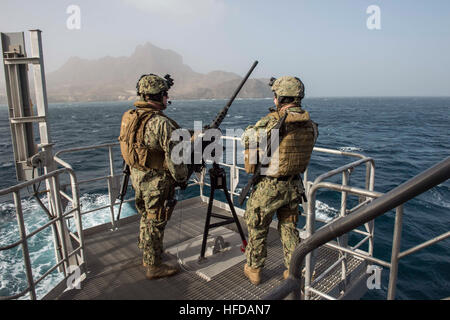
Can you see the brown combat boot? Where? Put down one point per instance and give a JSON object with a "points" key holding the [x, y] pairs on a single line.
{"points": [[145, 265], [253, 274], [160, 271]]}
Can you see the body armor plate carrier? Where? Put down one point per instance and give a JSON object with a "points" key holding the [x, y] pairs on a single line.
{"points": [[295, 147]]}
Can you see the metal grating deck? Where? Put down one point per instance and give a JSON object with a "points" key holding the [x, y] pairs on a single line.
{"points": [[115, 269]]}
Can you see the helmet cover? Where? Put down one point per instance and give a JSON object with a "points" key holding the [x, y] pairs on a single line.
{"points": [[288, 87], [151, 84]]}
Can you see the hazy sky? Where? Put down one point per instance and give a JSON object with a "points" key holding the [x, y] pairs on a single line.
{"points": [[325, 42]]}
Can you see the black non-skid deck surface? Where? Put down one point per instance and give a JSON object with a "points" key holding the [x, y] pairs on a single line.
{"points": [[115, 268]]}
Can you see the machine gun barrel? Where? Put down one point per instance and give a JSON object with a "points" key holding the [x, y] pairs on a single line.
{"points": [[221, 115], [199, 145]]}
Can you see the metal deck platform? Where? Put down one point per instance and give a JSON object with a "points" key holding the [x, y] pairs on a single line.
{"points": [[115, 269]]}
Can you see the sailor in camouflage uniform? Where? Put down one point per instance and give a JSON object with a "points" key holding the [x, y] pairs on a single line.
{"points": [[280, 189], [155, 187]]}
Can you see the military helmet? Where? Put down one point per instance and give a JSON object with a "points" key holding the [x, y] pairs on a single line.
{"points": [[288, 87], [153, 84]]}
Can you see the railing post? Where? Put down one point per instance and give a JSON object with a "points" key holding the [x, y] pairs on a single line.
{"points": [[371, 187], [395, 252], [202, 182], [111, 161], [62, 228], [112, 188], [233, 177], [112, 195], [310, 226], [343, 240], [305, 182], [77, 215], [25, 252]]}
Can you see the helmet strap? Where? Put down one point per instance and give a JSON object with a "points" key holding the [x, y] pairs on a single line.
{"points": [[277, 102]]}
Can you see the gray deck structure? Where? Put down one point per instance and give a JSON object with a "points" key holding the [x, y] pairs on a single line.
{"points": [[115, 269]]}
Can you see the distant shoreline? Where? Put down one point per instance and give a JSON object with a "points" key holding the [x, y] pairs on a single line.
{"points": [[4, 104]]}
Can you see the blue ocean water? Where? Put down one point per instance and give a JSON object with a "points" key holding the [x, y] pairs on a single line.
{"points": [[404, 135]]}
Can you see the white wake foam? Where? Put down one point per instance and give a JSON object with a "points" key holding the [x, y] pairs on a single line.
{"points": [[325, 212]]}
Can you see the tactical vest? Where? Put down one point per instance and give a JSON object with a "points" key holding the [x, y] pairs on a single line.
{"points": [[136, 153], [295, 147]]}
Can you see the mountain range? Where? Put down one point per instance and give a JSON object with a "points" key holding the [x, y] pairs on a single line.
{"points": [[114, 78]]}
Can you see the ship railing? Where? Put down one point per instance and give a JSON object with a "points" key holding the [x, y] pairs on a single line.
{"points": [[113, 178], [291, 287], [342, 246], [235, 169], [70, 250]]}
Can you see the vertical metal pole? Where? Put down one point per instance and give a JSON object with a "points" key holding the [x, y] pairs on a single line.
{"points": [[111, 161], [111, 201], [343, 240], [40, 89], [40, 85], [202, 182], [17, 111], [395, 252], [111, 186], [369, 226], [310, 226], [370, 182], [61, 226], [235, 169], [372, 177], [371, 223], [23, 238], [232, 173], [368, 164], [77, 215]]}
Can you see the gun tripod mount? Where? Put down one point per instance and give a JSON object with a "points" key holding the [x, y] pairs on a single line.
{"points": [[218, 181]]}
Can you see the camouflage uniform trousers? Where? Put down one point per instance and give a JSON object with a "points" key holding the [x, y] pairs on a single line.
{"points": [[152, 189], [269, 197]]}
